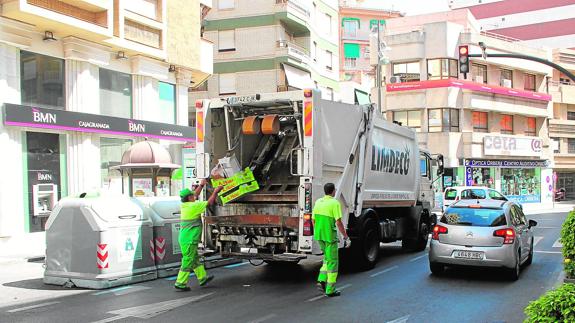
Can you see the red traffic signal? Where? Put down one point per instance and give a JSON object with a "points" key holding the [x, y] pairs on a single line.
{"points": [[463, 59]]}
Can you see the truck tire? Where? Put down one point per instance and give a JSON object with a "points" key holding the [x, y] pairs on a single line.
{"points": [[365, 248], [419, 243]]}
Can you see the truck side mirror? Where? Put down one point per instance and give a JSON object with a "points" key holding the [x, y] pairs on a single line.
{"points": [[439, 165]]}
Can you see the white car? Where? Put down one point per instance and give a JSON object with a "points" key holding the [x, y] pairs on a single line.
{"points": [[456, 193]]}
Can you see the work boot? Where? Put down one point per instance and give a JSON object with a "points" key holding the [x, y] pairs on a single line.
{"points": [[320, 286], [334, 294], [182, 288], [207, 280]]}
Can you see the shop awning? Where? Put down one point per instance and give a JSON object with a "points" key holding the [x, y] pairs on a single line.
{"points": [[351, 50], [298, 78], [362, 97], [343, 20]]}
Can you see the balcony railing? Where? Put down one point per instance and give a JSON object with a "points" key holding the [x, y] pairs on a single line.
{"points": [[296, 4], [294, 50]]}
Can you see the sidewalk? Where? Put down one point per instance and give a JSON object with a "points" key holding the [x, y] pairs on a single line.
{"points": [[558, 207]]}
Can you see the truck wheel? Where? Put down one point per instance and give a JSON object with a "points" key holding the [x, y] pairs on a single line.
{"points": [[365, 248], [419, 243]]}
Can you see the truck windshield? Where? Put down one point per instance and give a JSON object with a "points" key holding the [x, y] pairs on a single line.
{"points": [[450, 194], [474, 217]]}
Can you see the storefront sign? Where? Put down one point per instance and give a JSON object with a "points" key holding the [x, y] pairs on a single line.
{"points": [[506, 163], [26, 116], [511, 146]]}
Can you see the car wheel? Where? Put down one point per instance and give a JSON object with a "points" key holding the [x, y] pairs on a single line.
{"points": [[514, 272], [436, 269], [530, 258]]}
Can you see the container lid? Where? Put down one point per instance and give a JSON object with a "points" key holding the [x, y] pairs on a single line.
{"points": [[119, 209]]}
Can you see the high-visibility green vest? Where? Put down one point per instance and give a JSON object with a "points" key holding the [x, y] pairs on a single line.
{"points": [[192, 211], [326, 212]]}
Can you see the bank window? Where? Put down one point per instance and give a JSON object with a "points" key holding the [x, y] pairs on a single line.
{"points": [[111, 151], [226, 40], [227, 84], [42, 80], [442, 68], [115, 94], [410, 119], [529, 82], [479, 121], [443, 120], [522, 185], [479, 73], [506, 124], [570, 115], [167, 109], [350, 27], [571, 145], [226, 4], [531, 129], [407, 71], [506, 78]]}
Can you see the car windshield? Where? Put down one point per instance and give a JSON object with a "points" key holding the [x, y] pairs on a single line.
{"points": [[476, 217], [473, 194], [450, 194]]}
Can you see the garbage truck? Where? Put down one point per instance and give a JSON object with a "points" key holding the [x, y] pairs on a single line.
{"points": [[295, 142]]}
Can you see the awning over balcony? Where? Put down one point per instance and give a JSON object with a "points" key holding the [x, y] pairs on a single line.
{"points": [[298, 78], [351, 50]]}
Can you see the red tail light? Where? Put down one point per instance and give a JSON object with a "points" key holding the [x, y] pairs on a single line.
{"points": [[437, 230], [307, 225], [508, 235]]}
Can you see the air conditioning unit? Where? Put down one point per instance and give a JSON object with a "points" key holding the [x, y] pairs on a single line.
{"points": [[506, 83], [395, 79], [478, 79]]}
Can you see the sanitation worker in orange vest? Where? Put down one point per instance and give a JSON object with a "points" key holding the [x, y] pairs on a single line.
{"points": [[190, 235], [326, 217]]}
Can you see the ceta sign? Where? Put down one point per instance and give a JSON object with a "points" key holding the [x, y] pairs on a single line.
{"points": [[512, 146]]}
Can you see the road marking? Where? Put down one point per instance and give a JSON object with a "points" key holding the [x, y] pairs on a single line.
{"points": [[402, 319], [236, 265], [557, 244], [151, 310], [383, 271], [547, 227], [536, 240], [25, 308], [322, 296], [417, 258], [113, 290], [263, 319], [550, 252]]}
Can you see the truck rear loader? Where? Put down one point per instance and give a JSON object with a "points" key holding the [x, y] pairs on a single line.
{"points": [[295, 142]]}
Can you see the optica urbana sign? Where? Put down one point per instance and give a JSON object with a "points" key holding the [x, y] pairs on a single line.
{"points": [[33, 117], [512, 146]]}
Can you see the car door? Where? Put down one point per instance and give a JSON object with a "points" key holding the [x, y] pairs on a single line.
{"points": [[527, 232], [520, 230]]}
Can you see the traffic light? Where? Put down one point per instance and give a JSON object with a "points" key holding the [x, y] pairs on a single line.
{"points": [[464, 60]]}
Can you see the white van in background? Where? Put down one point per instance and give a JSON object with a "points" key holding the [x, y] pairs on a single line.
{"points": [[456, 193]]}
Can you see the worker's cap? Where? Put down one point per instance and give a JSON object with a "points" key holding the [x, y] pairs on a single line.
{"points": [[185, 192]]}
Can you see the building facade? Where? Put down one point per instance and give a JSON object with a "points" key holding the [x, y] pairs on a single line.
{"points": [[490, 125], [549, 23], [263, 46], [80, 81]]}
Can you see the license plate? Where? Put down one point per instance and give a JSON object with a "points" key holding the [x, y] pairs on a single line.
{"points": [[468, 254]]}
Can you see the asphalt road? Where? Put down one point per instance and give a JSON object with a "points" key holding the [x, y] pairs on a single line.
{"points": [[399, 289]]}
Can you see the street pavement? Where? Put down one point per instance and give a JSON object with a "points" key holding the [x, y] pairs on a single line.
{"points": [[399, 289]]}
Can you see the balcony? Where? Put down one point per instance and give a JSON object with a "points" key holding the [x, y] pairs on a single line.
{"points": [[561, 128], [295, 14], [293, 51], [562, 93]]}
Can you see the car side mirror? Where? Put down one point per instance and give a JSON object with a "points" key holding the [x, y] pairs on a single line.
{"points": [[532, 223]]}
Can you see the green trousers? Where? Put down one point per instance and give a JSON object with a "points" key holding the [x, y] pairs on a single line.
{"points": [[328, 270], [189, 240]]}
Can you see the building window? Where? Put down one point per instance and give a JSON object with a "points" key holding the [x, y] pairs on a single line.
{"points": [[328, 60], [226, 4], [350, 62], [479, 73], [227, 84], [111, 151], [556, 145], [531, 126], [350, 27], [570, 115], [521, 184], [328, 24], [442, 68], [571, 145], [507, 78], [226, 40], [479, 121], [167, 108], [443, 120], [506, 124], [407, 71], [42, 80], [410, 119], [115, 94], [314, 51], [530, 82]]}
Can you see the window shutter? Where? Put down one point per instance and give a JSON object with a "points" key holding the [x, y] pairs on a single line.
{"points": [[227, 40], [351, 50], [226, 4], [227, 83]]}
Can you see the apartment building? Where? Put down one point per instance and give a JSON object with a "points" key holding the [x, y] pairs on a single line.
{"points": [[80, 81], [491, 126], [263, 46], [562, 126]]}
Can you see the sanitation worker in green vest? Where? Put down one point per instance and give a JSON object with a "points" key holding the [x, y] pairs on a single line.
{"points": [[190, 235], [326, 217]]}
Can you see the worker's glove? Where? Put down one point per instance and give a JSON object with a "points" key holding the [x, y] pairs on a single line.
{"points": [[347, 243]]}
